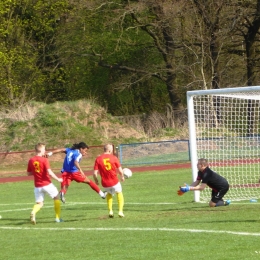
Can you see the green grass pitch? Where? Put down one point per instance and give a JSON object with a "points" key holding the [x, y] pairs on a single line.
{"points": [[157, 225]]}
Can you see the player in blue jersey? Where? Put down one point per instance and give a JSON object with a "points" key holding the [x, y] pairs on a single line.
{"points": [[207, 177], [72, 171]]}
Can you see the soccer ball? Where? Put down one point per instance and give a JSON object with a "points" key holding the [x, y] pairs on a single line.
{"points": [[127, 173]]}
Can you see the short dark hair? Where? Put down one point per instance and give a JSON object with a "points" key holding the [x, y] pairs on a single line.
{"points": [[203, 161]]}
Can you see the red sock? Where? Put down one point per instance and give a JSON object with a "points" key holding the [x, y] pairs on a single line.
{"points": [[94, 186], [63, 190]]}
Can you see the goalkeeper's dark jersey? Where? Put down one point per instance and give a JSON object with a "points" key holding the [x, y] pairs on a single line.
{"points": [[212, 179]]}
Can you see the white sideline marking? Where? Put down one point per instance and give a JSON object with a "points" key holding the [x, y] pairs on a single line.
{"points": [[83, 202], [118, 229], [23, 209], [139, 229]]}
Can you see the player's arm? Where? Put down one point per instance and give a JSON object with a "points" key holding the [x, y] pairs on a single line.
{"points": [[61, 150], [29, 169], [95, 174], [201, 186], [195, 183], [54, 176], [76, 163], [120, 170], [29, 173], [194, 186]]}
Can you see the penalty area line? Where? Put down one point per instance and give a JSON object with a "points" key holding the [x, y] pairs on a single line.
{"points": [[137, 229]]}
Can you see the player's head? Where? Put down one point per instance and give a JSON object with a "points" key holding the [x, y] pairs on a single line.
{"points": [[40, 148], [202, 164], [82, 147], [108, 148], [79, 145]]}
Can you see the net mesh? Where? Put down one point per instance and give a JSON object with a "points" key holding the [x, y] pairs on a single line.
{"points": [[227, 134]]}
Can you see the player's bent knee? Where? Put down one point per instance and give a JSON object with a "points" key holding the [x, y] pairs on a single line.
{"points": [[212, 204], [87, 180], [40, 204]]}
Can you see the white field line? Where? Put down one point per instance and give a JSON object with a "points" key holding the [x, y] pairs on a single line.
{"points": [[137, 229], [119, 229], [95, 203]]}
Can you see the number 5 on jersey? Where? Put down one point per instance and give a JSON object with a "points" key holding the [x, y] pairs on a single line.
{"points": [[107, 164]]}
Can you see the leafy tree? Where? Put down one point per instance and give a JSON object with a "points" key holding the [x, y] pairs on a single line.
{"points": [[17, 58], [135, 41], [41, 25]]}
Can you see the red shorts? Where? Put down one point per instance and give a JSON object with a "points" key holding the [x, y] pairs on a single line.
{"points": [[69, 177]]}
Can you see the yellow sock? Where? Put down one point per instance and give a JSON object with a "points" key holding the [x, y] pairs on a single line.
{"points": [[109, 202], [57, 208], [36, 208], [120, 200]]}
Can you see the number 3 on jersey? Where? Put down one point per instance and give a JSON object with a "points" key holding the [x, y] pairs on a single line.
{"points": [[107, 164], [36, 165]]}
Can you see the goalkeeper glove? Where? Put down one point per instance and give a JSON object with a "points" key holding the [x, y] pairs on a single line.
{"points": [[180, 193], [185, 188]]}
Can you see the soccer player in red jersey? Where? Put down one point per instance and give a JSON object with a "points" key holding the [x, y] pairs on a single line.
{"points": [[39, 167], [108, 165], [72, 171]]}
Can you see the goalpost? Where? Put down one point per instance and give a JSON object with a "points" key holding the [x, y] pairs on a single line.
{"points": [[224, 127]]}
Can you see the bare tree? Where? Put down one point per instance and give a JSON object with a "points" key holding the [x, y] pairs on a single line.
{"points": [[157, 23], [246, 25]]}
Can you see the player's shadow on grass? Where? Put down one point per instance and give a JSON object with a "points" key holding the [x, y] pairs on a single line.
{"points": [[18, 222], [71, 208]]}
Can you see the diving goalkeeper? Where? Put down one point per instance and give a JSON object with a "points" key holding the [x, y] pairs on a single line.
{"points": [[207, 177]]}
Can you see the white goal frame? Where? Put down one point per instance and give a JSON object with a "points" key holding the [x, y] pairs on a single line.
{"points": [[198, 121]]}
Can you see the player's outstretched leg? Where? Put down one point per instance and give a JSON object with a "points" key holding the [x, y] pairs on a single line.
{"points": [[94, 187]]}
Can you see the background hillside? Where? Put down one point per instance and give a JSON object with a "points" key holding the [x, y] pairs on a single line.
{"points": [[61, 124]]}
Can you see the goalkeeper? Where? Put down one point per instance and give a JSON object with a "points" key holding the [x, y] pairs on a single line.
{"points": [[207, 177]]}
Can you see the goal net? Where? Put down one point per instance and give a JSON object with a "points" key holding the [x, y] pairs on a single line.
{"points": [[224, 127]]}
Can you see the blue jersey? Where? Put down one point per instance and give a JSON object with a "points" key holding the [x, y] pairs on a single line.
{"points": [[71, 156]]}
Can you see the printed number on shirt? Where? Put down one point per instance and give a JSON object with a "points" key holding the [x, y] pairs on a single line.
{"points": [[107, 164], [36, 166]]}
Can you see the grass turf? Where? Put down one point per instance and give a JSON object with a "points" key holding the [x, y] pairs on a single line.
{"points": [[158, 224]]}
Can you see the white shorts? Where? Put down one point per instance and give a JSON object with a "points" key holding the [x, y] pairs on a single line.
{"points": [[114, 189], [50, 189]]}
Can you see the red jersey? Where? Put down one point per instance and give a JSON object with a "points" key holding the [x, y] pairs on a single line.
{"points": [[107, 164], [38, 166]]}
